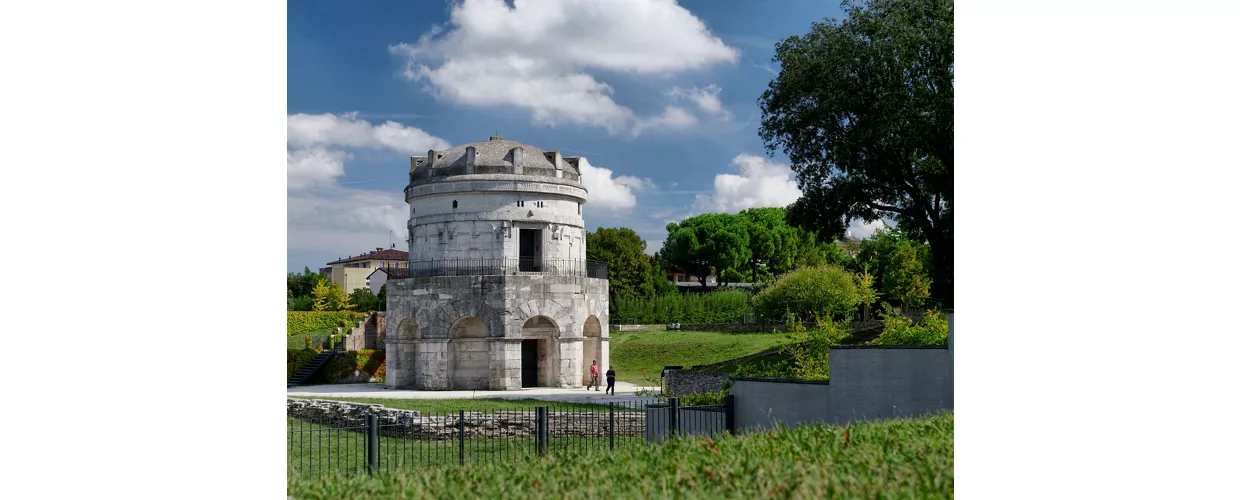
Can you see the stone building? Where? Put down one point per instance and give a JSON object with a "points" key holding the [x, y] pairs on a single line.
{"points": [[499, 294]]}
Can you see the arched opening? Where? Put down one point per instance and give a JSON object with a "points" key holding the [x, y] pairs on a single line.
{"points": [[470, 357], [407, 329], [592, 350], [538, 352]]}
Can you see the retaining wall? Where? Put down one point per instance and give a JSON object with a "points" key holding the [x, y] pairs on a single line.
{"points": [[870, 382], [413, 424]]}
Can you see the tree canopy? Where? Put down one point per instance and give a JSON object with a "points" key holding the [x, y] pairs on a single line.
{"points": [[705, 243], [628, 266], [864, 110], [302, 285], [754, 245]]}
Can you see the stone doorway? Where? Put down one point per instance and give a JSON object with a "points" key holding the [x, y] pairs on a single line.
{"points": [[539, 356], [529, 247], [529, 363]]}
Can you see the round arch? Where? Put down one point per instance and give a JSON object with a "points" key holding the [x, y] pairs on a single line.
{"points": [[540, 327], [468, 327], [408, 329]]}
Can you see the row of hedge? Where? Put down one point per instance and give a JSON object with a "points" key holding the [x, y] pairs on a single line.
{"points": [[724, 306], [307, 321]]}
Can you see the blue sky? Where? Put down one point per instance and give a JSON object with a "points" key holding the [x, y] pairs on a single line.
{"points": [[660, 97]]}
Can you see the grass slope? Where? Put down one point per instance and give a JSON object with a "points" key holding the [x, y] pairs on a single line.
{"points": [[906, 458], [651, 350]]}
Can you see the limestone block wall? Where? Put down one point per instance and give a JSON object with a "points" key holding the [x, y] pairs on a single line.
{"points": [[470, 365], [505, 370], [466, 218], [500, 309], [412, 424], [680, 382]]}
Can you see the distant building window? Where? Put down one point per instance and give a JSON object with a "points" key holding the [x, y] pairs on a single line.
{"points": [[453, 203], [520, 203], [578, 209]]}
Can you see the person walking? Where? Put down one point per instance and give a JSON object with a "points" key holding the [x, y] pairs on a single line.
{"points": [[611, 381], [593, 375]]}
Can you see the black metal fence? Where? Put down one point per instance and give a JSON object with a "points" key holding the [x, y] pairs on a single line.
{"points": [[378, 441], [495, 266]]}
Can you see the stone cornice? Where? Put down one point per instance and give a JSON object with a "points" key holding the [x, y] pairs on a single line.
{"points": [[503, 183]]}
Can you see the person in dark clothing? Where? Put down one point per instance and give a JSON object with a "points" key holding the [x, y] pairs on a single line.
{"points": [[611, 380]]}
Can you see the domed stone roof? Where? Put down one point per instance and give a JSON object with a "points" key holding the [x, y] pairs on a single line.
{"points": [[498, 152]]}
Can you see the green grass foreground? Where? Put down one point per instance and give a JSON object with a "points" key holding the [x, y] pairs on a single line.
{"points": [[651, 350], [905, 458]]}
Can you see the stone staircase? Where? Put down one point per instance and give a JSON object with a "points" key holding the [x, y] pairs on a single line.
{"points": [[310, 368]]}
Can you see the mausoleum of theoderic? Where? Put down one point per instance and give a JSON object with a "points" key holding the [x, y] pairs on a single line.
{"points": [[498, 294]]}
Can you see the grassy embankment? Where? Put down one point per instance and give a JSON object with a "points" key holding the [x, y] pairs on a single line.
{"points": [[651, 350], [905, 458]]}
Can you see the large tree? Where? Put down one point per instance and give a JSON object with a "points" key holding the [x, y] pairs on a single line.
{"points": [[628, 266], [863, 109], [773, 244], [717, 242], [708, 242]]}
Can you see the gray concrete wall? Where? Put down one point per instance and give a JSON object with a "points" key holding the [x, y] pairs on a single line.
{"points": [[693, 422], [866, 383]]}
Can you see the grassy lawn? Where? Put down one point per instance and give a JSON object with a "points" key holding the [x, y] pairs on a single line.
{"points": [[905, 458], [435, 406], [651, 350]]}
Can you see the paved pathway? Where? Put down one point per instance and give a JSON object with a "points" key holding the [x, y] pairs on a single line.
{"points": [[624, 393]]}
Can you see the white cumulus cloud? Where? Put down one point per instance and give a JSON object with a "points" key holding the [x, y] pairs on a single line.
{"points": [[608, 192], [345, 130], [706, 98], [542, 55], [761, 183], [324, 216], [673, 118]]}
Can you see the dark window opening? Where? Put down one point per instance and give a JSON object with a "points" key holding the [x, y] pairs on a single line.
{"points": [[453, 203]]}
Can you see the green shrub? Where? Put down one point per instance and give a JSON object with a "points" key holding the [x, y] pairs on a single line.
{"points": [[301, 304], [765, 368], [306, 321], [368, 361], [703, 399], [900, 330], [826, 291], [724, 306], [297, 358]]}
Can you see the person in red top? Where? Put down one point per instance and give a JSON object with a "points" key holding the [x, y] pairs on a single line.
{"points": [[593, 375]]}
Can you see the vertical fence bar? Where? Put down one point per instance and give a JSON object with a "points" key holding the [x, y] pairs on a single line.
{"points": [[460, 425], [729, 413], [540, 442], [611, 425], [673, 416], [372, 443]]}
